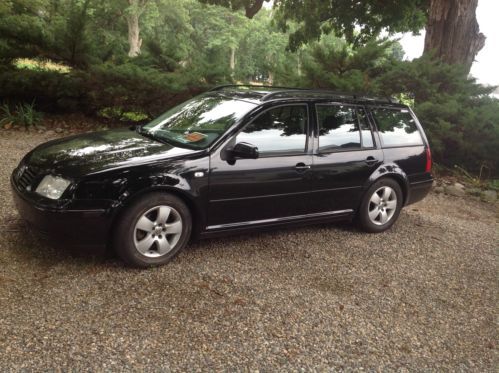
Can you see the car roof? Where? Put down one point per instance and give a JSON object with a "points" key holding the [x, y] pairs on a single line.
{"points": [[260, 94]]}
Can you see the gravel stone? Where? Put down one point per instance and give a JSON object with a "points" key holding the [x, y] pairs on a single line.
{"points": [[455, 190], [488, 196], [439, 189], [422, 296], [474, 191]]}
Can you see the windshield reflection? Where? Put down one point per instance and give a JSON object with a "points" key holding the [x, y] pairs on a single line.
{"points": [[197, 123]]}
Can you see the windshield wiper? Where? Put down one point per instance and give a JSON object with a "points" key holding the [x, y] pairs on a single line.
{"points": [[150, 135]]}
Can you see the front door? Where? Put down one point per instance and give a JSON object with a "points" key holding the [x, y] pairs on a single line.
{"points": [[275, 185]]}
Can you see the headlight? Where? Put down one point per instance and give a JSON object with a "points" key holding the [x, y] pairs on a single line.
{"points": [[52, 186]]}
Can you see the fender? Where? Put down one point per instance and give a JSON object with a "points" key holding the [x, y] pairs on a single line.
{"points": [[181, 179], [390, 170]]}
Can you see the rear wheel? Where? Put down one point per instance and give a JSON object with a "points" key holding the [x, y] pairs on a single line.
{"points": [[380, 206], [152, 230]]}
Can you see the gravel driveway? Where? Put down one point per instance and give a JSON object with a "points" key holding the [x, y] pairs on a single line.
{"points": [[422, 296]]}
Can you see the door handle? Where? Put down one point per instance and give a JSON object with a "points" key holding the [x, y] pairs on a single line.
{"points": [[371, 160], [302, 166]]}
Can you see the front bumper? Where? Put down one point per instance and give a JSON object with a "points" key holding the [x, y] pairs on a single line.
{"points": [[64, 225]]}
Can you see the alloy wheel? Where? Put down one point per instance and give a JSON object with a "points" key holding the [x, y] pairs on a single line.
{"points": [[382, 205], [157, 231]]}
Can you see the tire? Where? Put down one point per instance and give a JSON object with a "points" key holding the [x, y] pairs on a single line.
{"points": [[152, 230], [380, 206]]}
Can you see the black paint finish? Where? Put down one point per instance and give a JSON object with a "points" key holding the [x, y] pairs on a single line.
{"points": [[109, 169]]}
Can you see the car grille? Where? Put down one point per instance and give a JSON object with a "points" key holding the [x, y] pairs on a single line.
{"points": [[25, 177]]}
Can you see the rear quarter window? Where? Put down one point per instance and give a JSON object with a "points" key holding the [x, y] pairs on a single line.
{"points": [[396, 127]]}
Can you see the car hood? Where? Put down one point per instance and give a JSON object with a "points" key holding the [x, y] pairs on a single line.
{"points": [[88, 153]]}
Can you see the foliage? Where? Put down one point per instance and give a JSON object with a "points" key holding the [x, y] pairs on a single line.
{"points": [[117, 113], [52, 90], [24, 115], [35, 64], [72, 56], [357, 21], [344, 17], [129, 87], [335, 64], [460, 116]]}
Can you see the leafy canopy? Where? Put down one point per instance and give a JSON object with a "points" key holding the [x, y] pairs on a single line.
{"points": [[356, 21]]}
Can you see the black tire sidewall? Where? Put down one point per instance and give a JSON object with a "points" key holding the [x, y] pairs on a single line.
{"points": [[123, 240], [363, 215]]}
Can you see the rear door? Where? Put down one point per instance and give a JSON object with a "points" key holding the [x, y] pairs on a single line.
{"points": [[274, 186], [345, 155]]}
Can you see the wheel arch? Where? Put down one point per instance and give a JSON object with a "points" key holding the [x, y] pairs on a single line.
{"points": [[391, 171], [197, 215]]}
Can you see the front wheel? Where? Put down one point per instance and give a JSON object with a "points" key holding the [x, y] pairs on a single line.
{"points": [[380, 206], [152, 230]]}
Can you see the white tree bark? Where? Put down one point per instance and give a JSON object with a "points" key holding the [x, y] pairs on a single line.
{"points": [[232, 60], [134, 39], [271, 78], [134, 11]]}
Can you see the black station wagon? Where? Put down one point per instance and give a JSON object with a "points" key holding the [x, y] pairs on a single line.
{"points": [[233, 159]]}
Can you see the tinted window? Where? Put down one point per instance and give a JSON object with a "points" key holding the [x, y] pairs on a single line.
{"points": [[282, 129], [338, 127], [367, 136], [198, 122], [397, 127]]}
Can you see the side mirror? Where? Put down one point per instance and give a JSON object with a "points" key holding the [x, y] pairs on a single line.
{"points": [[244, 150]]}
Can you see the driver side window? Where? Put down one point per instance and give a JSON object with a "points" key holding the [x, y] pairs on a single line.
{"points": [[278, 130]]}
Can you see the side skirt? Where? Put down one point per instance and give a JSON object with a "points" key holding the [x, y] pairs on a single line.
{"points": [[269, 224]]}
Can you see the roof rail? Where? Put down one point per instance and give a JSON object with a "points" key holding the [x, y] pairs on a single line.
{"points": [[270, 95], [353, 96], [292, 90], [221, 87]]}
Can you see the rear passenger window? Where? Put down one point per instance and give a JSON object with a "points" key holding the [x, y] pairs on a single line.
{"points": [[343, 127], [338, 128], [397, 127]]}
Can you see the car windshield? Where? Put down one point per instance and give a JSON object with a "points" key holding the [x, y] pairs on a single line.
{"points": [[198, 122]]}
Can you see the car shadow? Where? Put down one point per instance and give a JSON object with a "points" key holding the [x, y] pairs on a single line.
{"points": [[268, 234], [29, 245]]}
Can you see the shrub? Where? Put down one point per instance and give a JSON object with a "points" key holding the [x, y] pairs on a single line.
{"points": [[52, 90], [23, 115], [117, 113], [459, 116], [132, 88], [127, 87]]}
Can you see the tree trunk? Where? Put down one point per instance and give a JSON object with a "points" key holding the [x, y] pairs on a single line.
{"points": [[270, 80], [253, 8], [232, 60], [132, 14], [452, 32], [133, 34]]}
